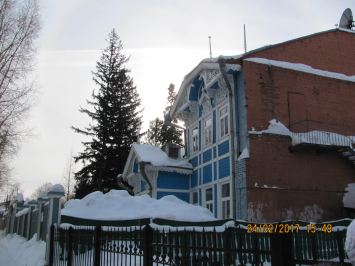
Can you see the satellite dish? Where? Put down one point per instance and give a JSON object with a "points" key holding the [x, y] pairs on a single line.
{"points": [[346, 20]]}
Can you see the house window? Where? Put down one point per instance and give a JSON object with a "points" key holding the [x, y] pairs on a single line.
{"points": [[195, 139], [209, 199], [225, 201], [208, 131], [223, 118], [195, 198]]}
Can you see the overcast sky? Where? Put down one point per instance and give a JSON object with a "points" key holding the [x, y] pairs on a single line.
{"points": [[165, 39]]}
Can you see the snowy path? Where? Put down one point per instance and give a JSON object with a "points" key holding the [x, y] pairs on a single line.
{"points": [[14, 250]]}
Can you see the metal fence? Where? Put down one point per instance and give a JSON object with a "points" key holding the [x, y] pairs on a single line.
{"points": [[141, 245]]}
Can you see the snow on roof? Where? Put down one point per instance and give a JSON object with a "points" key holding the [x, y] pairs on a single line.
{"points": [[57, 188], [157, 157], [119, 205], [301, 68], [244, 154], [215, 59]]}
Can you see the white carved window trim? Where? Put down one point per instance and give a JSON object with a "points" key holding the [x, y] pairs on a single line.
{"points": [[225, 201], [223, 125], [208, 131], [194, 139], [209, 199]]}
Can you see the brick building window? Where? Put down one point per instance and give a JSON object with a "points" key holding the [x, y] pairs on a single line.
{"points": [[223, 121]]}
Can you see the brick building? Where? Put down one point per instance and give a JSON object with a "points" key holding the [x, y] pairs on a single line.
{"points": [[269, 132]]}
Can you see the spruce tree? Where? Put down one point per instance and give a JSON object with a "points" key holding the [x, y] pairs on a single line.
{"points": [[116, 119], [158, 133]]}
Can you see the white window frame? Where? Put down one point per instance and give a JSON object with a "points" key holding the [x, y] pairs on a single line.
{"points": [[223, 121], [194, 139], [226, 202], [208, 131], [209, 204]]}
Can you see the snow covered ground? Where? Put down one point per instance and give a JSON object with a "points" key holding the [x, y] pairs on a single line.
{"points": [[15, 251]]}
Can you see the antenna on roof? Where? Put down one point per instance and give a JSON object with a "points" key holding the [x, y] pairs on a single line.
{"points": [[209, 37], [245, 41], [139, 131], [346, 20]]}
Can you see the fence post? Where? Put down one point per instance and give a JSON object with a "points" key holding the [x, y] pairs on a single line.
{"points": [[281, 249], [54, 195], [43, 198], [70, 246], [340, 246], [147, 248], [32, 204], [97, 245]]}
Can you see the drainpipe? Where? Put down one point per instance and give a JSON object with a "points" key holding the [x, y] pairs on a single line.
{"points": [[121, 185], [167, 121], [145, 177], [222, 66]]}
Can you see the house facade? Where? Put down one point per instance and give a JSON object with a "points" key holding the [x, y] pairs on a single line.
{"points": [[269, 134]]}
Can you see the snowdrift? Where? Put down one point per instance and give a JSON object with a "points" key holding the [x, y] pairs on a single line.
{"points": [[119, 205]]}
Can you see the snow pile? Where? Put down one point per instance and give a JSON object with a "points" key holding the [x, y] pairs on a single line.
{"points": [[349, 197], [314, 137], [14, 250], [301, 68], [57, 188], [119, 205], [157, 157], [350, 242], [274, 128], [24, 211]]}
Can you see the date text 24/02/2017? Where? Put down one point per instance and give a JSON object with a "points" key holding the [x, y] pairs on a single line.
{"points": [[285, 228]]}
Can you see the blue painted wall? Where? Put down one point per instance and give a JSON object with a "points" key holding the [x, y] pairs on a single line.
{"points": [[207, 156], [200, 197], [135, 166], [142, 185], [173, 180], [199, 176], [223, 148], [194, 161], [199, 135], [207, 174], [188, 143], [215, 170], [224, 167], [214, 152], [215, 200], [214, 126], [200, 108], [194, 179], [183, 196]]}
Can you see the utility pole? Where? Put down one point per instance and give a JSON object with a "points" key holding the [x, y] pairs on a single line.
{"points": [[209, 37]]}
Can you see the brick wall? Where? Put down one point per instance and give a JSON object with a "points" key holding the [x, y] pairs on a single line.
{"points": [[327, 99], [308, 186], [331, 51]]}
